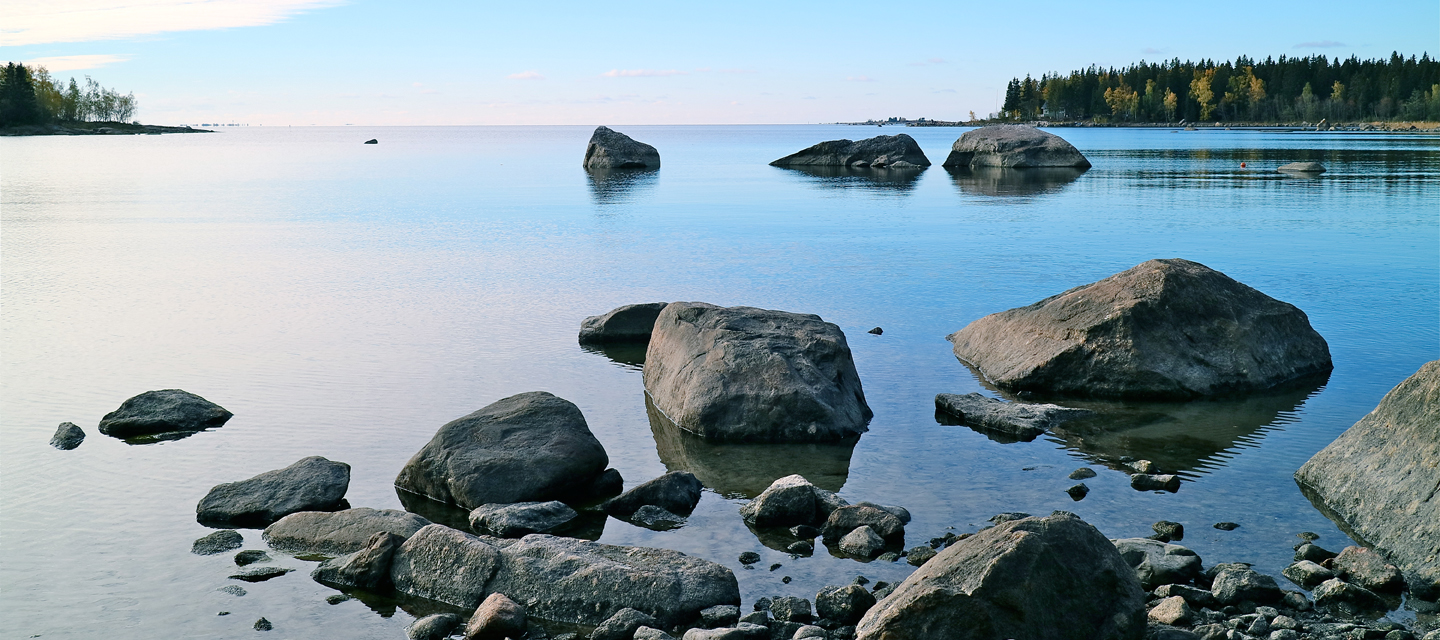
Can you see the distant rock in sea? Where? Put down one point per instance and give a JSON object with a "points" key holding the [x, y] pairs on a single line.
{"points": [[1301, 167], [1013, 145], [610, 149], [895, 152], [372, 141]]}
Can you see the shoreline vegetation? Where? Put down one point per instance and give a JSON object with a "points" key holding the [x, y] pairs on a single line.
{"points": [[32, 103]]}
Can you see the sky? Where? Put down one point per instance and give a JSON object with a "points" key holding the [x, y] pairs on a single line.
{"points": [[383, 62]]}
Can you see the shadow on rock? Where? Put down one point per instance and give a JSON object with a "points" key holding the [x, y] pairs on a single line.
{"points": [[744, 470], [869, 178], [1004, 182], [629, 355], [618, 186]]}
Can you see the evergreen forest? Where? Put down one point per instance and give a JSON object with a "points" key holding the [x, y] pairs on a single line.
{"points": [[30, 96]]}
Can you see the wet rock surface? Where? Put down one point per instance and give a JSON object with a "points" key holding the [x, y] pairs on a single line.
{"points": [[163, 411], [896, 152], [1014, 146], [1022, 421], [1301, 167], [338, 532], [311, 484], [433, 627], [1156, 563]]}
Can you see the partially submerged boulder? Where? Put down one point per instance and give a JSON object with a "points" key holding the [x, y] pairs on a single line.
{"points": [[1301, 167], [610, 149], [630, 323], [896, 152], [791, 501], [368, 568], [1165, 329], [1048, 578], [531, 447], [1013, 145], [67, 436], [677, 492], [521, 518], [747, 374], [311, 484], [1023, 421], [1378, 478], [339, 532], [163, 411], [1158, 563]]}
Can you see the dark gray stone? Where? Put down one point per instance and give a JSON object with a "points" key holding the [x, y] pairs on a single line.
{"points": [[895, 152], [1365, 568], [749, 557], [218, 542], [1313, 552], [233, 589], [1307, 574], [311, 484], [1046, 578], [1165, 329], [899, 512], [1337, 595], [1009, 516], [1226, 526], [622, 625], [1083, 473], [520, 519], [862, 542], [1234, 585], [788, 501], [630, 323], [791, 609], [1301, 167], [1424, 583], [1197, 598], [650, 633], [747, 374], [338, 532], [1013, 145], [609, 149], [801, 548], [1147, 482], [844, 520], [1368, 479], [1168, 531], [653, 517], [163, 411], [1158, 563], [1078, 492], [259, 574], [263, 625], [251, 557], [530, 447], [67, 436], [435, 626], [445, 565], [368, 568], [720, 615], [497, 618], [920, 555], [844, 605], [677, 492], [1023, 421]]}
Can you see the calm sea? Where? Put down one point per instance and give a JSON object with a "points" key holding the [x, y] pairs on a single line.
{"points": [[346, 300]]}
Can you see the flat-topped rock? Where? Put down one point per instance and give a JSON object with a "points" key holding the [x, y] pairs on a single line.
{"points": [[1301, 167], [1165, 329], [530, 447], [1023, 421], [338, 532], [1378, 479], [896, 152], [311, 484], [630, 323], [163, 411], [1013, 145], [610, 149], [747, 374], [522, 518]]}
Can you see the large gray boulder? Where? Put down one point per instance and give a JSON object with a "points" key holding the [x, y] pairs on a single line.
{"points": [[896, 152], [1048, 578], [1023, 421], [531, 447], [339, 532], [630, 323], [163, 411], [1378, 478], [311, 484], [747, 374], [609, 149], [1157, 562], [1165, 329], [560, 579], [1013, 145]]}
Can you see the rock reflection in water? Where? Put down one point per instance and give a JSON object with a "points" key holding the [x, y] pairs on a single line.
{"points": [[629, 355], [746, 469], [1002, 182], [870, 178], [616, 186], [588, 525]]}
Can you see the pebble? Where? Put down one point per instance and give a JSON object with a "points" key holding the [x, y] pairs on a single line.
{"points": [[251, 556], [775, 566], [1226, 526], [263, 625], [877, 331], [1078, 492]]}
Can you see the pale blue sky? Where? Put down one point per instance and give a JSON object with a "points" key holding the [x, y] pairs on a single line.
{"points": [[381, 62]]}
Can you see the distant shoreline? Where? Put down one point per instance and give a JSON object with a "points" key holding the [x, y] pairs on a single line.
{"points": [[95, 129]]}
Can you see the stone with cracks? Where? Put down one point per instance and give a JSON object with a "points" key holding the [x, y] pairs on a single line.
{"points": [[896, 152], [311, 484], [610, 149], [1349, 598], [521, 518], [445, 565], [1023, 421], [1013, 145], [163, 411], [530, 447], [754, 375], [677, 492], [1165, 329], [1158, 563], [368, 568], [1048, 578], [338, 532], [630, 323], [1381, 478]]}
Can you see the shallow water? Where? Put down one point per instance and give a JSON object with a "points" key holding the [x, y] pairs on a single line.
{"points": [[346, 300]]}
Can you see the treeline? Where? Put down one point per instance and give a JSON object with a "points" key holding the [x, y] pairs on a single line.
{"points": [[1305, 89], [28, 95]]}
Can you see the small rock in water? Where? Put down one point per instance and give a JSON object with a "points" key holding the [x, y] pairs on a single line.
{"points": [[1226, 526], [1147, 482], [763, 604], [775, 566], [877, 331], [337, 598], [162, 411], [749, 557], [259, 574], [222, 613], [862, 542], [919, 555], [263, 625], [1078, 492], [218, 542], [67, 437], [786, 579], [1308, 536], [888, 556], [1169, 530], [233, 589], [1313, 552], [1143, 466], [1083, 473], [801, 548], [862, 580], [251, 556], [372, 141]]}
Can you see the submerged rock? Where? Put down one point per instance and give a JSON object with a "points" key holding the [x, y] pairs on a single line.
{"points": [[677, 492], [610, 149], [68, 436], [1036, 578], [530, 447], [259, 574], [218, 542], [896, 152], [311, 484], [163, 411], [338, 532], [1013, 145], [1165, 329], [1148, 482], [630, 323], [368, 568], [657, 518], [251, 556], [521, 518], [1023, 421], [1379, 477], [747, 374], [1301, 167]]}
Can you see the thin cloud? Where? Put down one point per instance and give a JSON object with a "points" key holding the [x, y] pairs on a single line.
{"points": [[31, 22], [1152, 50], [526, 75], [1319, 44], [860, 79], [75, 63], [642, 73]]}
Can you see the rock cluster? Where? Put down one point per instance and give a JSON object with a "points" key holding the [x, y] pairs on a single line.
{"points": [[895, 152]]}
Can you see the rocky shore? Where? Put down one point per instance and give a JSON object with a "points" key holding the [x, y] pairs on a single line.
{"points": [[95, 129]]}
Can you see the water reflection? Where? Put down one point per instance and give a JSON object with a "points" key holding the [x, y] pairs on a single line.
{"points": [[629, 355], [900, 181], [1003, 182], [746, 469], [617, 186]]}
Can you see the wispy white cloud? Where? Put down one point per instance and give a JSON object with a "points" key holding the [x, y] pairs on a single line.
{"points": [[1319, 44], [860, 79], [526, 75], [642, 73], [30, 22], [75, 63]]}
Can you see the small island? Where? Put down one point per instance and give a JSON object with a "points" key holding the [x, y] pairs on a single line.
{"points": [[34, 104]]}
